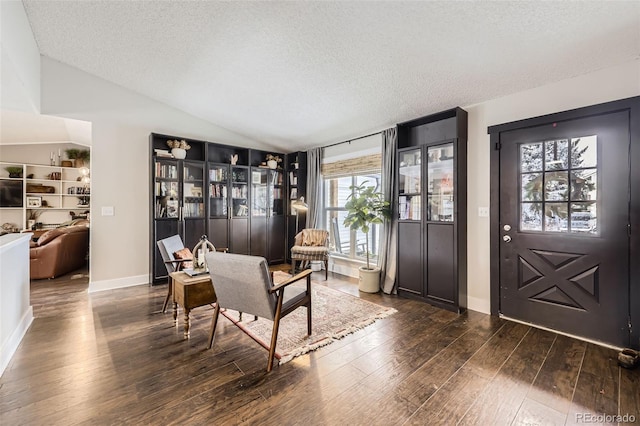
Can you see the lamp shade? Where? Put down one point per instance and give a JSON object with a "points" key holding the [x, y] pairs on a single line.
{"points": [[299, 205]]}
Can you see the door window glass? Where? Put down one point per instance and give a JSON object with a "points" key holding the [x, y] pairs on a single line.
{"points": [[558, 185]]}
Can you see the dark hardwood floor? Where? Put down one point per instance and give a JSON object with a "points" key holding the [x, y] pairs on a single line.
{"points": [[114, 358]]}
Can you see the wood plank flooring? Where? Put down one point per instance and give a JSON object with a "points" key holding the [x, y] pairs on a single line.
{"points": [[114, 358]]}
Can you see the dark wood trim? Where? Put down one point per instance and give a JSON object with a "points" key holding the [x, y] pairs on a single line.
{"points": [[634, 215], [494, 219]]}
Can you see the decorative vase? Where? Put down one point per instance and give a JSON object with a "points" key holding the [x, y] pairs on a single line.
{"points": [[369, 280], [30, 223], [179, 153], [272, 164]]}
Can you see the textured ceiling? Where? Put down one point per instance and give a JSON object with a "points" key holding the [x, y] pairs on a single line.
{"points": [[303, 74]]}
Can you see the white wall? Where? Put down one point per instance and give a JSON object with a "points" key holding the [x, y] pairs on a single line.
{"points": [[20, 72], [16, 313], [121, 123], [617, 82]]}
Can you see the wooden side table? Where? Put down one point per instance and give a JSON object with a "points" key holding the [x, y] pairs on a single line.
{"points": [[190, 292]]}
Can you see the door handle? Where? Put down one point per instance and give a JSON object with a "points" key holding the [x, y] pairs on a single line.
{"points": [[506, 238]]}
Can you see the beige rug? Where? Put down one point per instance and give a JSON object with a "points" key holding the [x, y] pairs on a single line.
{"points": [[335, 314]]}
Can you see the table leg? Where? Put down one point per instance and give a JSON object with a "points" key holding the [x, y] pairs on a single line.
{"points": [[187, 323], [175, 311]]}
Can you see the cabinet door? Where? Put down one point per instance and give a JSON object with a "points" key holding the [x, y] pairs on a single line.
{"points": [[239, 236], [440, 183], [218, 191], [193, 190], [410, 253], [276, 238], [410, 185], [193, 230], [440, 263], [259, 236], [219, 232]]}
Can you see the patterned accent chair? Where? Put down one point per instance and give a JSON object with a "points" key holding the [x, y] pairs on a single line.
{"points": [[311, 244]]}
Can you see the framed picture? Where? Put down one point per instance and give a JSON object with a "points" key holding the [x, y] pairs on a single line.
{"points": [[34, 201], [256, 178]]}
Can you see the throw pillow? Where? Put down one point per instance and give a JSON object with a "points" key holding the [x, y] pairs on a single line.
{"points": [[184, 253], [50, 235]]}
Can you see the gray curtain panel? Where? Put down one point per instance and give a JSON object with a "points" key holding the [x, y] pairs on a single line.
{"points": [[314, 188], [388, 242]]}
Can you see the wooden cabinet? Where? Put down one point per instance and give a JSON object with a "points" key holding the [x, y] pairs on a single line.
{"points": [[432, 209], [225, 192], [178, 191]]}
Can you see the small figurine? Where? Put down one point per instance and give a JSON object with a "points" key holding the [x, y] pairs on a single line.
{"points": [[234, 159]]}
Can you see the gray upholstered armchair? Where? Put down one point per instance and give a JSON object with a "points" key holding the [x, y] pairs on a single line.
{"points": [[309, 245], [244, 284]]}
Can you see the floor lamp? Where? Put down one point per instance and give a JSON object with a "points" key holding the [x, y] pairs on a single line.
{"points": [[299, 206]]}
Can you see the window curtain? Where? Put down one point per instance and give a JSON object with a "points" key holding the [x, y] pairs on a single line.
{"points": [[314, 188], [388, 242]]}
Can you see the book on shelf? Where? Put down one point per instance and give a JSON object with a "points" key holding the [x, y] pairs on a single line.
{"points": [[163, 153]]}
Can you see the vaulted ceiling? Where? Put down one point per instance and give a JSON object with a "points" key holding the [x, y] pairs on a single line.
{"points": [[303, 74]]}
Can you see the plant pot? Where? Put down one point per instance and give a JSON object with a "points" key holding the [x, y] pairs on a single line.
{"points": [[30, 223], [272, 164], [15, 175], [369, 280], [179, 153]]}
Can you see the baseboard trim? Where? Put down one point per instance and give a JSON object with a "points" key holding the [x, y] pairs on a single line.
{"points": [[95, 286], [11, 345]]}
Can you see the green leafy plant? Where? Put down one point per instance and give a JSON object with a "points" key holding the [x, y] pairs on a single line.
{"points": [[365, 207], [14, 171], [84, 154], [72, 153]]}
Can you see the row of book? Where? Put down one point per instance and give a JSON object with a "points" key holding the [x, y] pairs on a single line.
{"points": [[166, 171]]}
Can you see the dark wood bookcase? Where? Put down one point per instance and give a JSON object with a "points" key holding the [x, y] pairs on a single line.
{"points": [[211, 192], [432, 209]]}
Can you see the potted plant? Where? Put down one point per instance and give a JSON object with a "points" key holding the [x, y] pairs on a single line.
{"points": [[179, 148], [79, 156], [14, 171], [273, 160], [366, 207]]}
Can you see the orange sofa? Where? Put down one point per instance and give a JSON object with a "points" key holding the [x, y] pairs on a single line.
{"points": [[59, 251]]}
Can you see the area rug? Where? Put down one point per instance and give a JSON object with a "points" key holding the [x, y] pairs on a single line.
{"points": [[335, 314]]}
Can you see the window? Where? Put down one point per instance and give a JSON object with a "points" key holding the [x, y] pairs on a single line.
{"points": [[558, 186], [343, 241]]}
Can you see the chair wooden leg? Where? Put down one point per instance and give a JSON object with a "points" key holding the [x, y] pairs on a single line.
{"points": [[169, 293], [274, 333], [293, 267], [326, 269], [214, 323]]}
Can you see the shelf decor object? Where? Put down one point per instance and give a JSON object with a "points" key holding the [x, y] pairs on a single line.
{"points": [[179, 148]]}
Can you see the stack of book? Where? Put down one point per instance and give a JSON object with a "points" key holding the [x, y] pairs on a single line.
{"points": [[163, 153]]}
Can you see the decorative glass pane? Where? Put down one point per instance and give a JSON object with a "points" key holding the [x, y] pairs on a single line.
{"points": [[583, 218], [584, 152], [556, 154], [259, 196], [410, 172], [583, 185], [409, 207], [531, 217], [440, 183], [531, 157], [556, 187], [555, 217], [531, 189]]}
